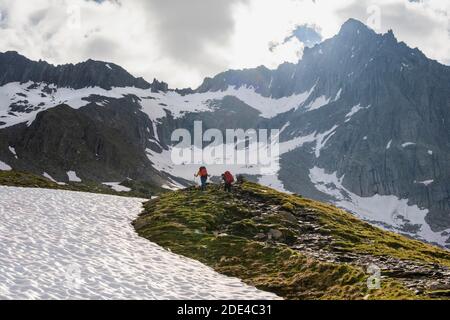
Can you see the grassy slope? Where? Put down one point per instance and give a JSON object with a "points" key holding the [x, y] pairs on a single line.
{"points": [[28, 180], [352, 234], [219, 230]]}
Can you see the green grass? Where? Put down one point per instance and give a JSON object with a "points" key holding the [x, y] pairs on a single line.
{"points": [[219, 230], [351, 234]]}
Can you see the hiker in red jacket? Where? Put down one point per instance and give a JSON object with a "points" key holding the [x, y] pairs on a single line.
{"points": [[203, 174], [228, 180]]}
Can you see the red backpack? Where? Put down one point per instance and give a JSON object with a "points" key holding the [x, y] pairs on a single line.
{"points": [[203, 172], [228, 177]]}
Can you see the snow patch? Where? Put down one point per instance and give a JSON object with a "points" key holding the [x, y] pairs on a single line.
{"points": [[62, 245], [155, 130], [354, 110], [297, 142], [286, 125], [170, 187], [155, 104], [162, 161], [117, 187], [408, 144], [322, 140], [318, 103], [338, 95], [4, 166], [178, 105], [73, 176], [40, 100], [13, 151], [425, 183], [380, 210], [389, 145], [49, 177]]}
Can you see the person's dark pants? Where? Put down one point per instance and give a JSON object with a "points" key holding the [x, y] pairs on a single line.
{"points": [[203, 181], [227, 187]]}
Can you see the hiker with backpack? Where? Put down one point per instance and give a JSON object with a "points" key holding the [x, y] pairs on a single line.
{"points": [[203, 174], [228, 180]]}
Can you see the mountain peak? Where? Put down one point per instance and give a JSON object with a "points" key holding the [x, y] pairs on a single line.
{"points": [[353, 23], [390, 35], [352, 26], [10, 53]]}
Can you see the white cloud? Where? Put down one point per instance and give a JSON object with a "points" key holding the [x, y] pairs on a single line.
{"points": [[181, 41]]}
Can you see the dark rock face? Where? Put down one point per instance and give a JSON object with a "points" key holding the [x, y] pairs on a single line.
{"points": [[99, 143], [17, 68], [159, 86], [403, 138]]}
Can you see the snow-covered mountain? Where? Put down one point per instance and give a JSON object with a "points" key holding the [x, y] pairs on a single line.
{"points": [[364, 123]]}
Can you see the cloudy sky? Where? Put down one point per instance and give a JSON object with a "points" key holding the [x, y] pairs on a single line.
{"points": [[183, 41]]}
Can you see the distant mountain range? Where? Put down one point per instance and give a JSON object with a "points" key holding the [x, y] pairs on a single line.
{"points": [[364, 119]]}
